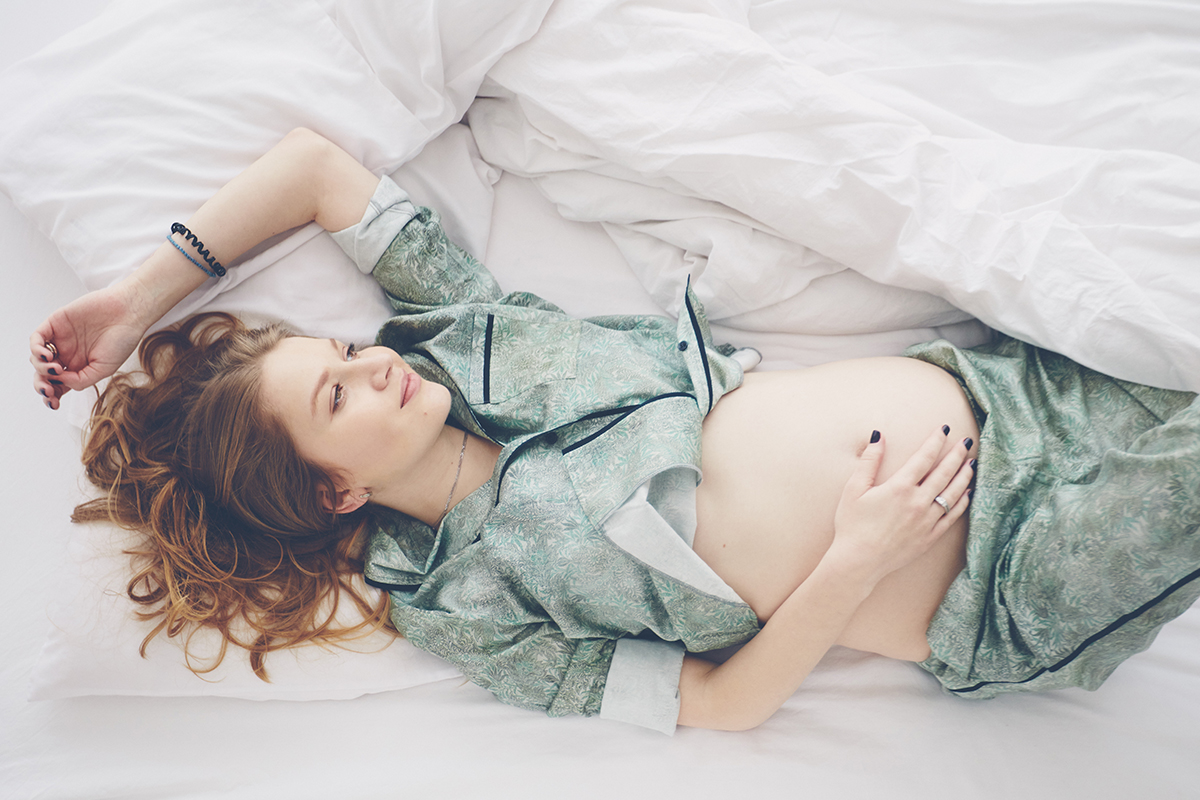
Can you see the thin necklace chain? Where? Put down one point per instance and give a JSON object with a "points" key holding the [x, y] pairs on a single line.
{"points": [[457, 475]]}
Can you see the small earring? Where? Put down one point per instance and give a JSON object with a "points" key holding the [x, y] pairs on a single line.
{"points": [[366, 496]]}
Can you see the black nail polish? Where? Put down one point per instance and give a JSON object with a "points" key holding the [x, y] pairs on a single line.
{"points": [[47, 402], [42, 392], [43, 359], [973, 462], [874, 437], [945, 430], [57, 383], [967, 442], [53, 371]]}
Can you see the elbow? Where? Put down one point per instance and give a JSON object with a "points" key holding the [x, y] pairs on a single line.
{"points": [[707, 699], [718, 718], [737, 720], [316, 165], [308, 150], [304, 137]]}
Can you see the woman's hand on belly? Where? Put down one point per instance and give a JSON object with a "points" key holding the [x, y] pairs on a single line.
{"points": [[882, 527], [879, 528]]}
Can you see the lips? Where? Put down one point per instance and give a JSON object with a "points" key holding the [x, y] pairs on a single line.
{"points": [[411, 385]]}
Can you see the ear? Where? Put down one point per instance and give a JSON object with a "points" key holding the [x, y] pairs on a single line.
{"points": [[344, 501]]}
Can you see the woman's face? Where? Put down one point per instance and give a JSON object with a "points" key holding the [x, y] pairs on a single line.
{"points": [[364, 416]]}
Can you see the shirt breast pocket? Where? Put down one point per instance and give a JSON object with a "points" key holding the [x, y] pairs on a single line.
{"points": [[513, 354]]}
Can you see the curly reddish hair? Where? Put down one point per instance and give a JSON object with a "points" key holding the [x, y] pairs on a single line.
{"points": [[235, 535]]}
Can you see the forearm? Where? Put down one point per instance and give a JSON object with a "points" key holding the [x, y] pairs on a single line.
{"points": [[748, 688], [302, 179], [878, 528]]}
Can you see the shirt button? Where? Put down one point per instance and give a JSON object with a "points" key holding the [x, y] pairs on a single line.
{"points": [[682, 346], [551, 438]]}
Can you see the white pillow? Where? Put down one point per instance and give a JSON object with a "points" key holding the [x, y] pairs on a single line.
{"points": [[133, 120]]}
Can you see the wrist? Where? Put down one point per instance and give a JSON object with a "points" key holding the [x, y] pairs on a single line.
{"points": [[137, 299], [852, 566], [162, 281]]}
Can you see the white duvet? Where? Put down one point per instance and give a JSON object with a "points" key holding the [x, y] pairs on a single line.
{"points": [[756, 151]]}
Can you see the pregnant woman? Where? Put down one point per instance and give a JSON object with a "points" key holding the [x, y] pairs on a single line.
{"points": [[526, 487]]}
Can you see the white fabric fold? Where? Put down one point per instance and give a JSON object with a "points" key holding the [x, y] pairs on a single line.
{"points": [[1090, 252]]}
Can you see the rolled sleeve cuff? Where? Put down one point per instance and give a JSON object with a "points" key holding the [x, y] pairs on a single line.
{"points": [[386, 215], [643, 684]]}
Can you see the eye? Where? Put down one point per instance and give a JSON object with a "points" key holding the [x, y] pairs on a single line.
{"points": [[338, 392]]}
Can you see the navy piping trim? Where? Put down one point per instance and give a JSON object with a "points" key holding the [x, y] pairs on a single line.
{"points": [[624, 412], [700, 345], [389, 587], [592, 436], [1094, 637], [487, 360], [607, 413]]}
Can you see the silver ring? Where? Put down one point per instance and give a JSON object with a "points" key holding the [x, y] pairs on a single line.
{"points": [[941, 501]]}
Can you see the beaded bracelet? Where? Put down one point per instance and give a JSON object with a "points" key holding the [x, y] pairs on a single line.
{"points": [[175, 244], [214, 268]]}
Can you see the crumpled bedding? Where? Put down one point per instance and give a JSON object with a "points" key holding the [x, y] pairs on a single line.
{"points": [[753, 148], [1087, 73]]}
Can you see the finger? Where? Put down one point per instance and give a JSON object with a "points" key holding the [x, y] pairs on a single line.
{"points": [[956, 510], [957, 491], [40, 342], [57, 373], [47, 386], [50, 395], [44, 366], [47, 379], [959, 484], [45, 357], [39, 353], [941, 475], [37, 342], [49, 372], [919, 463], [866, 469]]}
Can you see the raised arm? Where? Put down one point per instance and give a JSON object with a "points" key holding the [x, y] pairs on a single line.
{"points": [[878, 529], [303, 178]]}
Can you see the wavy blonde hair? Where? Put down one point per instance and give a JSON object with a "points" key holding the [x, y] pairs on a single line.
{"points": [[236, 537]]}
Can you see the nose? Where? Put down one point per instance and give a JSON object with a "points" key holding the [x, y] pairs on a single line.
{"points": [[376, 367]]}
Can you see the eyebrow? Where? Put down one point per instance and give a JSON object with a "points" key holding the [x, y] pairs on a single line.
{"points": [[324, 376]]}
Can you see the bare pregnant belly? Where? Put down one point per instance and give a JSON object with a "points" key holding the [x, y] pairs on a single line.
{"points": [[777, 453]]}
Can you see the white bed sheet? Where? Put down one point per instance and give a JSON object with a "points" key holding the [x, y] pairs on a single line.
{"points": [[862, 726]]}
